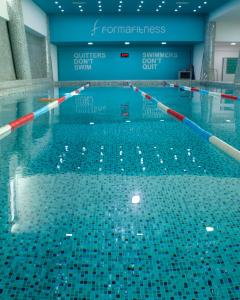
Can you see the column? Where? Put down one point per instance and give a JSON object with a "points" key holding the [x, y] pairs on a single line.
{"points": [[207, 72], [18, 40], [48, 56]]}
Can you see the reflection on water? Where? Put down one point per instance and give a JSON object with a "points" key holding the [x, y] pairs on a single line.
{"points": [[107, 186]]}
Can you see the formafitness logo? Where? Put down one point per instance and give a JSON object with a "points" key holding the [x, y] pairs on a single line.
{"points": [[127, 29]]}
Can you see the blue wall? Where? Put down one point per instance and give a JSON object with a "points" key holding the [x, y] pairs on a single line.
{"points": [[90, 63], [75, 29]]}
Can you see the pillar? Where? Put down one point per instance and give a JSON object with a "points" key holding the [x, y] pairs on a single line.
{"points": [[18, 40], [48, 56], [207, 72]]}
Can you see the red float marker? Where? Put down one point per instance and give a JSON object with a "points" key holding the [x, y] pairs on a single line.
{"points": [[62, 99], [232, 97], [148, 97], [175, 114], [21, 121], [194, 89]]}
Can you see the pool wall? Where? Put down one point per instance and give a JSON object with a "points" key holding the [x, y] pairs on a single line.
{"points": [[19, 87]]}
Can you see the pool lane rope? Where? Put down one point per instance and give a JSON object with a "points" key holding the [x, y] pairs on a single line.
{"points": [[10, 127], [207, 136], [202, 91]]}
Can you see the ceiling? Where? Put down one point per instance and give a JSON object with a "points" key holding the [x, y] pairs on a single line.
{"points": [[123, 7]]}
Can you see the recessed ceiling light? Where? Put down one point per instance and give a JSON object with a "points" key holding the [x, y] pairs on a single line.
{"points": [[194, 10], [176, 9], [56, 2], [164, 43], [205, 2], [60, 6], [127, 43], [138, 9], [62, 10], [233, 44], [90, 43], [159, 6], [199, 6], [163, 2], [157, 9], [179, 6], [119, 10]]}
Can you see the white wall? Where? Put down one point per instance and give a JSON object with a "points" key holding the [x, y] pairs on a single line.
{"points": [[54, 62], [3, 9], [197, 59], [223, 51], [222, 11], [34, 17], [228, 30]]}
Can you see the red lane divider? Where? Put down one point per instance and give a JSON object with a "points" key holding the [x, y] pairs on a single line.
{"points": [[21, 121], [60, 100], [194, 89], [175, 114], [148, 97], [232, 97]]}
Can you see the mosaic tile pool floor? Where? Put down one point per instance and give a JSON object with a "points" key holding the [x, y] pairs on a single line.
{"points": [[69, 228]]}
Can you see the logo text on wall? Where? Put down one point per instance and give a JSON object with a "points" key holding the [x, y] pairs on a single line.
{"points": [[146, 29], [151, 60], [85, 60]]}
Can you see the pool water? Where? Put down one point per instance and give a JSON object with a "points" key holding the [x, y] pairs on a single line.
{"points": [[70, 225]]}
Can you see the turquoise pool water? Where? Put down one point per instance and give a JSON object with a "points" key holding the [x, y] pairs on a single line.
{"points": [[109, 198]]}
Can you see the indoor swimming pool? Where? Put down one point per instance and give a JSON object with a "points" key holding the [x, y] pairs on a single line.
{"points": [[107, 197]]}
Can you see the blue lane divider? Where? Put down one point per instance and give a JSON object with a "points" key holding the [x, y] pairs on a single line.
{"points": [[204, 92], [197, 129], [40, 111], [207, 136]]}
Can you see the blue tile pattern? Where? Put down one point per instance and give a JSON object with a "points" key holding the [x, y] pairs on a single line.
{"points": [[69, 228]]}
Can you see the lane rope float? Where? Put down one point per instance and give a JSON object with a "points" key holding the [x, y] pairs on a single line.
{"points": [[11, 126], [207, 136], [202, 91]]}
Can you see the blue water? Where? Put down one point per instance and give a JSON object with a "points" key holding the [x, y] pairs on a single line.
{"points": [[68, 226]]}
